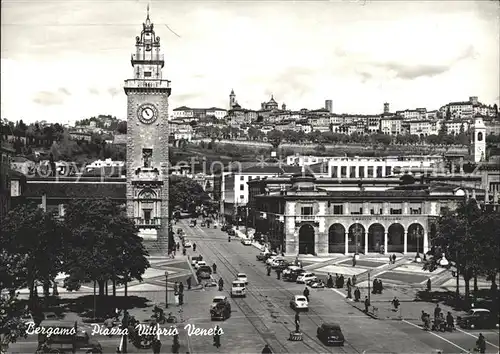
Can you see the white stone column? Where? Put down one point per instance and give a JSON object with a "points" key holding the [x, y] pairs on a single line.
{"points": [[386, 241], [346, 243], [366, 241], [405, 240], [426, 242], [356, 172]]}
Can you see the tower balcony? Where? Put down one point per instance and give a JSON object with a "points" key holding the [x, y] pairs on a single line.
{"points": [[146, 174], [141, 60], [147, 223], [147, 85]]}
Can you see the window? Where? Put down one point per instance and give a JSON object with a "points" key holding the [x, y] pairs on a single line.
{"points": [[147, 214], [369, 174], [147, 154], [335, 171], [147, 74], [338, 209], [306, 210], [388, 170], [356, 208], [343, 171], [361, 171], [242, 178], [379, 171], [242, 187], [352, 173], [242, 196], [395, 211], [479, 136]]}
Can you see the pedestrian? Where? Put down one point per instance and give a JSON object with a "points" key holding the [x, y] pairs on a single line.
{"points": [[349, 283], [267, 350], [268, 271], [329, 282], [217, 337], [437, 311], [181, 288], [178, 246], [156, 346], [354, 261], [297, 322], [175, 345], [181, 299], [481, 343], [188, 282], [341, 281], [176, 288], [349, 294], [429, 284], [375, 284], [393, 258], [357, 295], [354, 280], [306, 293], [390, 259], [395, 303], [380, 286], [194, 247], [278, 273], [367, 304]]}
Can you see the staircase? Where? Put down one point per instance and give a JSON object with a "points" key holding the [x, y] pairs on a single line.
{"points": [[386, 267]]}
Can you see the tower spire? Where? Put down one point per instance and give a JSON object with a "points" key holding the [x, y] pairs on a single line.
{"points": [[147, 18]]}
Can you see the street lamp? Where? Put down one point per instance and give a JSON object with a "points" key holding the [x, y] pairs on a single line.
{"points": [[166, 289], [417, 234]]}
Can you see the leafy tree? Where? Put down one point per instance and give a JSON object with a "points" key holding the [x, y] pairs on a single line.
{"points": [[11, 325], [275, 137], [185, 193], [254, 133], [32, 244], [468, 239], [103, 243]]}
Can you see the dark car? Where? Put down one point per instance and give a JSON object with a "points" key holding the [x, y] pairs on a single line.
{"points": [[331, 334], [292, 273], [223, 227], [478, 318], [204, 272], [231, 232], [220, 311], [71, 336]]}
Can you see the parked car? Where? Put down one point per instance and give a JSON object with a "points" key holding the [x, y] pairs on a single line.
{"points": [[231, 232], [187, 244], [210, 283], [306, 277], [262, 255], [195, 260], [238, 288], [82, 341], [200, 264], [242, 277], [299, 302], [271, 259], [204, 272], [478, 318], [292, 273], [279, 263], [331, 334], [316, 284], [246, 242], [192, 223]]}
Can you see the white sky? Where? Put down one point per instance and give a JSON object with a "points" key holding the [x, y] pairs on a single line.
{"points": [[66, 60]]}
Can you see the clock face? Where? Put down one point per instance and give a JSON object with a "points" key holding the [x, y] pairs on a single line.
{"points": [[147, 113]]}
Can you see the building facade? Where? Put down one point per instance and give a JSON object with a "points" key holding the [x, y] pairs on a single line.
{"points": [[147, 138], [306, 219]]}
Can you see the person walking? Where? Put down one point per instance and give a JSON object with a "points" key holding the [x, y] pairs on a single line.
{"points": [[354, 280], [156, 346], [306, 293], [357, 294], [429, 284], [367, 304], [181, 288], [194, 247], [481, 343], [354, 261], [188, 282], [393, 258], [297, 322], [267, 350], [217, 337]]}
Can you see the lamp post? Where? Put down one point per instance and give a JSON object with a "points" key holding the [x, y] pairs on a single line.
{"points": [[166, 289], [445, 263]]}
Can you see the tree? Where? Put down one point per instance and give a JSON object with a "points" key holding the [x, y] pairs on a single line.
{"points": [[32, 244], [254, 133], [122, 127], [443, 129], [467, 237], [448, 113], [103, 243], [275, 137], [11, 325], [185, 193]]}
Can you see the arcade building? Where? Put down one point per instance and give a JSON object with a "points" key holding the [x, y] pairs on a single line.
{"points": [[301, 217]]}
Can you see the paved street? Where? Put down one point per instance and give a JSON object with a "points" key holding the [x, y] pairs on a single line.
{"points": [[265, 316]]}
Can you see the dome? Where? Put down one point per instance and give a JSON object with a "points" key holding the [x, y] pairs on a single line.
{"points": [[272, 100]]}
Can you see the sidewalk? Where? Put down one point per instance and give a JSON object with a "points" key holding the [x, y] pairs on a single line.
{"points": [[242, 235]]}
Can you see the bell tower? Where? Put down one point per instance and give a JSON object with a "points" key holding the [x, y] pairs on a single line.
{"points": [[147, 139], [479, 140]]}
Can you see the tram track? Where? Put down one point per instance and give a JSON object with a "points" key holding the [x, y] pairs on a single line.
{"points": [[277, 311]]}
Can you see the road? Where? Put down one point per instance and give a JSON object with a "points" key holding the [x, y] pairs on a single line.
{"points": [[265, 314]]}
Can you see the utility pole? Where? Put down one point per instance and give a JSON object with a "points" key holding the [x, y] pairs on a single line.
{"points": [[369, 292], [166, 289]]}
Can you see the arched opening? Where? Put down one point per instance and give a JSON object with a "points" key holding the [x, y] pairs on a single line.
{"points": [[479, 136], [375, 237], [415, 242], [395, 238], [356, 238], [306, 239], [336, 239]]}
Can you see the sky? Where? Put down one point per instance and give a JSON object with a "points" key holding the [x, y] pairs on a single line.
{"points": [[67, 60]]}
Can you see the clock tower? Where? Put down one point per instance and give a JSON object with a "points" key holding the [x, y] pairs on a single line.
{"points": [[147, 139]]}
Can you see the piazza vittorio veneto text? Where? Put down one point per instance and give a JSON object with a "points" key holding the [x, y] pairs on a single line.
{"points": [[234, 230]]}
